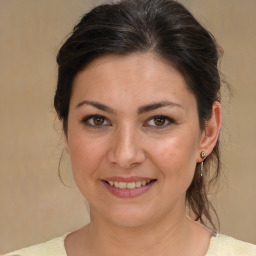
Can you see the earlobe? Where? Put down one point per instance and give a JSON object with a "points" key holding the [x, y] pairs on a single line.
{"points": [[211, 131]]}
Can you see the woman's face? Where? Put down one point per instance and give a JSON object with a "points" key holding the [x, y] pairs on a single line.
{"points": [[133, 138]]}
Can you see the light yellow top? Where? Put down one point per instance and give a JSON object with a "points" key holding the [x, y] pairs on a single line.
{"points": [[219, 246]]}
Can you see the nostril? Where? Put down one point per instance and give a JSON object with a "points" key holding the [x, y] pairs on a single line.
{"points": [[126, 165], [135, 164]]}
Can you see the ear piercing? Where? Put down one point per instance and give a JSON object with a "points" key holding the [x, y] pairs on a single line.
{"points": [[203, 156]]}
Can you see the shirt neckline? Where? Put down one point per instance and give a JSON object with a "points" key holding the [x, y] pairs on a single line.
{"points": [[211, 247], [212, 244]]}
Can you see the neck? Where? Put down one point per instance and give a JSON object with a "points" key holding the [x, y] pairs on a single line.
{"points": [[168, 234]]}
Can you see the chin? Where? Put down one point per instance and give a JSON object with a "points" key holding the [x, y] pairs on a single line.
{"points": [[125, 215]]}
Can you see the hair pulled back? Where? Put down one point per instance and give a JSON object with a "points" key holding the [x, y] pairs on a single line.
{"points": [[163, 27]]}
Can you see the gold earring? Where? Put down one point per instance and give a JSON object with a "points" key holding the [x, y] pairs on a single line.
{"points": [[203, 155]]}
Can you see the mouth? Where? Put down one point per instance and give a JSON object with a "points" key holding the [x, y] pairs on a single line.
{"points": [[128, 185], [130, 188]]}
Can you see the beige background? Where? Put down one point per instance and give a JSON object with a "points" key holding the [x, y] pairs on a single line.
{"points": [[35, 206]]}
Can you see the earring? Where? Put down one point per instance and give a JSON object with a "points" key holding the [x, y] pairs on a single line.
{"points": [[203, 155]]}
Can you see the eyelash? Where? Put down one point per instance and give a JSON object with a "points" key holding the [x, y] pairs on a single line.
{"points": [[91, 117], [167, 121]]}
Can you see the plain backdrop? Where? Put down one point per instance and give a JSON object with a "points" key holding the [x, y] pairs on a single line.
{"points": [[35, 205]]}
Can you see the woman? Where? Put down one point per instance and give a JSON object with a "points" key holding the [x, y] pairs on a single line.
{"points": [[139, 97]]}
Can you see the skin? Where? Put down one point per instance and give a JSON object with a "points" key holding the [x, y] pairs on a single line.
{"points": [[129, 142]]}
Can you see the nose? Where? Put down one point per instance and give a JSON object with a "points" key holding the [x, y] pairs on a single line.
{"points": [[126, 148]]}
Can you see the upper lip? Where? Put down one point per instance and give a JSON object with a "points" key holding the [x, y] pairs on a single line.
{"points": [[127, 179]]}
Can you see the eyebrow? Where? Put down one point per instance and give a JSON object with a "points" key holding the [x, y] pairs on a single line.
{"points": [[157, 105], [141, 110], [96, 105]]}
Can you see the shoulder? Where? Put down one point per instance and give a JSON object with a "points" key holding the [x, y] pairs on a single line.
{"points": [[228, 246], [54, 247]]}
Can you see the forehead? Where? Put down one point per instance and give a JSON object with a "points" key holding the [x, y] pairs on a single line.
{"points": [[137, 77]]}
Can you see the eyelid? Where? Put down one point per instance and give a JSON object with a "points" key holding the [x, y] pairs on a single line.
{"points": [[168, 119], [86, 118]]}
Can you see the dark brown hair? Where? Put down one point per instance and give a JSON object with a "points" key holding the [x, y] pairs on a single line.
{"points": [[168, 29]]}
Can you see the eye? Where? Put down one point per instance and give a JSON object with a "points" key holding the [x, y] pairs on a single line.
{"points": [[159, 121], [95, 121]]}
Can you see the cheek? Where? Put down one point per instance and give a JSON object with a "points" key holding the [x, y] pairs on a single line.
{"points": [[176, 158], [86, 155]]}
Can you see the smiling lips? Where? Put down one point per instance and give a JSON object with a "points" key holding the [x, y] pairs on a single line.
{"points": [[128, 187]]}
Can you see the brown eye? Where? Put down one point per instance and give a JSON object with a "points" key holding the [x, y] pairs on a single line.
{"points": [[98, 120], [159, 121], [95, 121]]}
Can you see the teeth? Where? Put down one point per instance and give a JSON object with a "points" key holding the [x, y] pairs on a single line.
{"points": [[138, 184], [129, 185], [122, 184]]}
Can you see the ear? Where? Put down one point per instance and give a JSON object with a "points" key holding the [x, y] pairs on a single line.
{"points": [[211, 131]]}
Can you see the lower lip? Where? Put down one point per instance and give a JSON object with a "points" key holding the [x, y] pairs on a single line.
{"points": [[125, 193]]}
